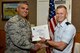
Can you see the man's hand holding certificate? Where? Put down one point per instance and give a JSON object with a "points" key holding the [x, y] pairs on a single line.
{"points": [[40, 31]]}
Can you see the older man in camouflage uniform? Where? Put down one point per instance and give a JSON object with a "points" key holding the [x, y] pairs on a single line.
{"points": [[18, 32]]}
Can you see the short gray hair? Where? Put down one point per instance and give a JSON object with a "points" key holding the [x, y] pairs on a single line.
{"points": [[22, 2]]}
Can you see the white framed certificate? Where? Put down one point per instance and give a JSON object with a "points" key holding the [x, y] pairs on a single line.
{"points": [[40, 31]]}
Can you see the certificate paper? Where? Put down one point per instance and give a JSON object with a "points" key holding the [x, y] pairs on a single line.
{"points": [[40, 31]]}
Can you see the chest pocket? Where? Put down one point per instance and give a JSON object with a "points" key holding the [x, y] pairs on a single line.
{"points": [[59, 33]]}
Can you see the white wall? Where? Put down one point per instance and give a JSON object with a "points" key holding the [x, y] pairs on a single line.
{"points": [[42, 11], [43, 8]]}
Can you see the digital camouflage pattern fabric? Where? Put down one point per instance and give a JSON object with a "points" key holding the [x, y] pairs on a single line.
{"points": [[18, 35]]}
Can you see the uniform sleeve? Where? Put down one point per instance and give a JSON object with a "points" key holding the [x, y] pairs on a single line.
{"points": [[68, 34], [18, 37]]}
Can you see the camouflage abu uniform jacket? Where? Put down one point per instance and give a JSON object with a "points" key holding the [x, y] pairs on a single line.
{"points": [[18, 35]]}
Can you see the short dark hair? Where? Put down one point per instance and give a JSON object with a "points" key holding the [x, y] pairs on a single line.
{"points": [[61, 6]]}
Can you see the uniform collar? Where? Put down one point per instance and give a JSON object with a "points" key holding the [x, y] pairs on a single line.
{"points": [[63, 23], [19, 16]]}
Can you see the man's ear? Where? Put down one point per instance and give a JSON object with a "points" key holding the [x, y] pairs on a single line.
{"points": [[55, 18], [17, 9], [66, 14]]}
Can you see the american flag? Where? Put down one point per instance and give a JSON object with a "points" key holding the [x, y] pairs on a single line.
{"points": [[51, 19]]}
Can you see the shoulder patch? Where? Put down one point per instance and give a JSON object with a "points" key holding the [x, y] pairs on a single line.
{"points": [[67, 23]]}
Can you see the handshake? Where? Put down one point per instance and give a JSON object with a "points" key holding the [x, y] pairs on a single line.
{"points": [[41, 44]]}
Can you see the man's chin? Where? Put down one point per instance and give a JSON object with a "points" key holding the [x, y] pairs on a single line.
{"points": [[24, 16]]}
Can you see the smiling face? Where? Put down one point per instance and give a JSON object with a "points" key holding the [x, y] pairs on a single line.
{"points": [[61, 14], [22, 10]]}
